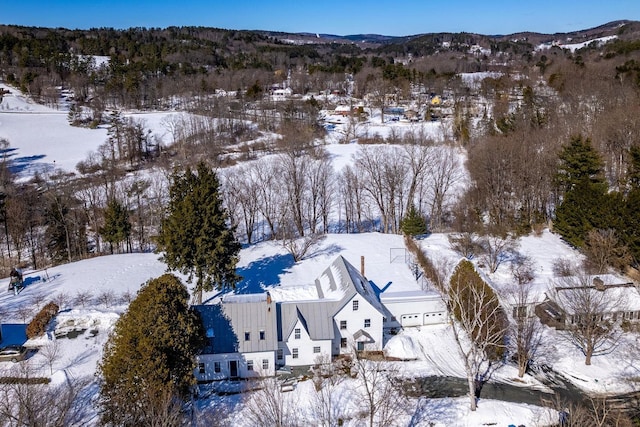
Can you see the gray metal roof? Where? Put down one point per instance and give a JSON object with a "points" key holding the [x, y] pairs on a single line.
{"points": [[343, 280], [316, 317], [232, 318]]}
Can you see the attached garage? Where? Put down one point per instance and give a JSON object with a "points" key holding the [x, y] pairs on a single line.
{"points": [[414, 308]]}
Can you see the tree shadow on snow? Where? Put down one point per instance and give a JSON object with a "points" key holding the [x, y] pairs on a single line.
{"points": [[263, 272], [21, 164]]}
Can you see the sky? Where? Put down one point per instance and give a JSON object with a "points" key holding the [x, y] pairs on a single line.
{"points": [[328, 16]]}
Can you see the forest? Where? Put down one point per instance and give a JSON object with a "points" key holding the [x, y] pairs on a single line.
{"points": [[550, 139]]}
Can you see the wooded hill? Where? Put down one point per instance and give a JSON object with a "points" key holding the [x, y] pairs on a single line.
{"points": [[542, 114]]}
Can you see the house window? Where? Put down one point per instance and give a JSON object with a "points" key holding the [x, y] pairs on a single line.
{"points": [[296, 333], [355, 304], [316, 349], [360, 346], [201, 368], [216, 367], [247, 336], [262, 335], [294, 353], [249, 365], [265, 364], [343, 343], [280, 354], [367, 323], [520, 312], [343, 324]]}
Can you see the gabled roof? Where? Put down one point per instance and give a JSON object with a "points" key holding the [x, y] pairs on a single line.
{"points": [[315, 316], [228, 321], [341, 282], [362, 336]]}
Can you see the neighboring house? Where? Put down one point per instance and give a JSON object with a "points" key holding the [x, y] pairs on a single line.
{"points": [[342, 110], [608, 295], [250, 335], [281, 94]]}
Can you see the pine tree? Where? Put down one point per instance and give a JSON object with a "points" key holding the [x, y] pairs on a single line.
{"points": [[413, 224], [117, 227], [146, 371], [580, 161], [194, 236], [631, 230], [585, 202]]}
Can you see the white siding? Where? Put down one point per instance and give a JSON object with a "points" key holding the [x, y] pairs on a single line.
{"points": [[356, 321], [416, 311], [304, 348], [226, 362]]}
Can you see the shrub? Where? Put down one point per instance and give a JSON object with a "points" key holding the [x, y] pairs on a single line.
{"points": [[39, 323]]}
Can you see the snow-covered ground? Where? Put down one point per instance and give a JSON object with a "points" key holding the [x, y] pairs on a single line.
{"points": [[41, 138], [575, 46], [94, 292]]}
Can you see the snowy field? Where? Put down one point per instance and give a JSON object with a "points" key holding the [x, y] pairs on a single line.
{"points": [[94, 292], [81, 287], [267, 266]]}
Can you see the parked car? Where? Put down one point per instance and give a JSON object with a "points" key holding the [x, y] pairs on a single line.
{"points": [[13, 353]]}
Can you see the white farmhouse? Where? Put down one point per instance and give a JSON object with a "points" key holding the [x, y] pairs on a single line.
{"points": [[251, 335]]}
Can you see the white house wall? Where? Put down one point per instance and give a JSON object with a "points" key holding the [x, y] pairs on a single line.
{"points": [[356, 321], [242, 362], [305, 346], [415, 312]]}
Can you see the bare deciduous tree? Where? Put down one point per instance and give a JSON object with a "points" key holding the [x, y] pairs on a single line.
{"points": [[270, 406], [466, 244], [326, 405], [603, 250], [106, 297], [24, 403], [590, 307], [525, 329], [479, 326], [52, 353], [496, 250], [380, 396], [444, 174], [83, 298]]}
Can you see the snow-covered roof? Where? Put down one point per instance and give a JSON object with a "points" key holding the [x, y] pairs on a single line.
{"points": [[406, 296], [341, 281], [610, 297]]}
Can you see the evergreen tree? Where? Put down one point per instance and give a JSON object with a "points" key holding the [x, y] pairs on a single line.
{"points": [[579, 161], [634, 167], [117, 227], [194, 235], [146, 371], [585, 204], [479, 317], [413, 224], [631, 230]]}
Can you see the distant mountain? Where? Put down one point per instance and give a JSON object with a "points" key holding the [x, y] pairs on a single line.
{"points": [[370, 40]]}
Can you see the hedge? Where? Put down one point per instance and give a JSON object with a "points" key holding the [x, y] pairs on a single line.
{"points": [[39, 323]]}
